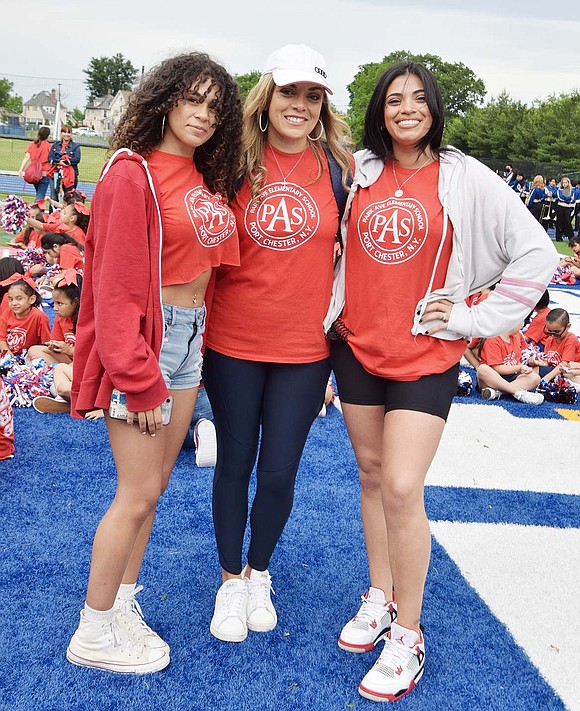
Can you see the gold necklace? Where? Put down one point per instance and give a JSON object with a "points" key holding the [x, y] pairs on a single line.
{"points": [[399, 190], [284, 177]]}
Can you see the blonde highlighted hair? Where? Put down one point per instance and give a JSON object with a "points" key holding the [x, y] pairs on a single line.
{"points": [[336, 134]]}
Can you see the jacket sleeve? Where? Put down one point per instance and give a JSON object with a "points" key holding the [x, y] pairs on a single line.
{"points": [[75, 158], [122, 287], [52, 153], [511, 248]]}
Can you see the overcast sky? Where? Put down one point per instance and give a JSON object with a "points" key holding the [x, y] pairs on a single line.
{"points": [[531, 49]]}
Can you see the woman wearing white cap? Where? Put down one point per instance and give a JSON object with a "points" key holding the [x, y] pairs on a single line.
{"points": [[267, 359]]}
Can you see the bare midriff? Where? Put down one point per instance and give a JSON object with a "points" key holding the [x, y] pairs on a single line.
{"points": [[190, 295]]}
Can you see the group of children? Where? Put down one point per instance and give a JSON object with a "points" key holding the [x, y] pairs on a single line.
{"points": [[529, 358], [50, 263]]}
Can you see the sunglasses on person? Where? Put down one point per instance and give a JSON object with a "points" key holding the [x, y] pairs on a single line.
{"points": [[556, 334]]}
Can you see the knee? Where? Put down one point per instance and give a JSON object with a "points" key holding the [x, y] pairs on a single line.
{"points": [[369, 471], [139, 507], [402, 497]]}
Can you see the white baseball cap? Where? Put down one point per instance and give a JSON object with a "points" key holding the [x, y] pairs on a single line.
{"points": [[295, 63]]}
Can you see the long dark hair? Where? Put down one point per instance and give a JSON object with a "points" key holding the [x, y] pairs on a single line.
{"points": [[376, 138], [51, 238], [43, 134], [8, 267], [141, 126], [72, 293]]}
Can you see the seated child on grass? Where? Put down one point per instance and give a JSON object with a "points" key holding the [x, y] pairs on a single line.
{"points": [[501, 369]]}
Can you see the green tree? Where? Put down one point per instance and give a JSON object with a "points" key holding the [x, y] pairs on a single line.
{"points": [[550, 131], [460, 87], [246, 82], [8, 101], [109, 75], [488, 131], [75, 117]]}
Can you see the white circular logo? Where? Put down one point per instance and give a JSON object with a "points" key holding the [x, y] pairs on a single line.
{"points": [[285, 218], [212, 221], [393, 230]]}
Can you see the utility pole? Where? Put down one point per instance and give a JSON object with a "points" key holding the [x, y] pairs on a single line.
{"points": [[55, 134]]}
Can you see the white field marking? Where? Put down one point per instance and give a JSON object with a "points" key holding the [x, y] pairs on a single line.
{"points": [[529, 577]]}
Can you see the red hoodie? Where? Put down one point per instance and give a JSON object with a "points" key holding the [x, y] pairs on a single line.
{"points": [[120, 325]]}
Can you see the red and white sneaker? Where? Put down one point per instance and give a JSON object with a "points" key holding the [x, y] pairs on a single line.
{"points": [[398, 669], [370, 624]]}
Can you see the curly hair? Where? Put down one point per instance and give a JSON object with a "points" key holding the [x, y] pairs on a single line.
{"points": [[336, 134], [141, 126]]}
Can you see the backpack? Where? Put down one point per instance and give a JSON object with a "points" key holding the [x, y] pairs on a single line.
{"points": [[340, 194], [33, 174]]}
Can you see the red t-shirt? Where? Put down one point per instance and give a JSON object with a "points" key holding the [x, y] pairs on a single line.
{"points": [[21, 333], [199, 230], [556, 351], [271, 309], [390, 256], [70, 257], [75, 232], [497, 351], [41, 152], [535, 331], [63, 330]]}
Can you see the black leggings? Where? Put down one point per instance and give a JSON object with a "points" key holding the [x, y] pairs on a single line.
{"points": [[285, 399]]}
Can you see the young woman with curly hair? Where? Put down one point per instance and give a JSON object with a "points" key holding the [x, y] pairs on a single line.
{"points": [[266, 366], [159, 225]]}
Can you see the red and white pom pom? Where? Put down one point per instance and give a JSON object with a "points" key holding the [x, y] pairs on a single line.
{"points": [[15, 210]]}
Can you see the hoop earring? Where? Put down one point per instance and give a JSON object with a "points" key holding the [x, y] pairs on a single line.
{"points": [[263, 129], [319, 135], [162, 125]]}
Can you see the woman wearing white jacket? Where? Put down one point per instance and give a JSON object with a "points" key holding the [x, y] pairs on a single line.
{"points": [[425, 227]]}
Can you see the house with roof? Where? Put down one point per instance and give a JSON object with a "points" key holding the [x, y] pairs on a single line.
{"points": [[98, 114], [40, 109], [117, 108]]}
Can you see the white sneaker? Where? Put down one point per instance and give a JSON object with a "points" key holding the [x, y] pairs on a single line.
{"points": [[261, 615], [129, 617], [528, 397], [229, 618], [103, 645], [490, 394], [370, 624], [205, 440], [398, 669]]}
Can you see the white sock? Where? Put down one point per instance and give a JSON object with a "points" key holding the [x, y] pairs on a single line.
{"points": [[125, 589], [98, 615]]}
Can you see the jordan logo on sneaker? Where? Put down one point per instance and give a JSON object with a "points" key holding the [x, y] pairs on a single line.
{"points": [[399, 670], [400, 639], [373, 624]]}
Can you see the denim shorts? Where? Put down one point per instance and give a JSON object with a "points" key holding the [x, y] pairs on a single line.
{"points": [[180, 359]]}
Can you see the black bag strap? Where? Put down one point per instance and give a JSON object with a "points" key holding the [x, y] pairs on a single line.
{"points": [[340, 194]]}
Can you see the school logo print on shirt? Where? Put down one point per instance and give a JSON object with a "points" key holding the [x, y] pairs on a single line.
{"points": [[393, 230], [212, 221], [16, 338], [285, 218]]}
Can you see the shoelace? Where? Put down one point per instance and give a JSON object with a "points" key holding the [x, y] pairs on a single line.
{"points": [[124, 643], [394, 655], [259, 590], [369, 611], [133, 614], [234, 600]]}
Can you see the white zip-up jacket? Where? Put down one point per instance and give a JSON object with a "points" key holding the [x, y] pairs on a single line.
{"points": [[495, 239]]}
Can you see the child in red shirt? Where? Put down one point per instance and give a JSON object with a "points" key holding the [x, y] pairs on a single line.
{"points": [[560, 345], [502, 371], [74, 222], [535, 331], [22, 325]]}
